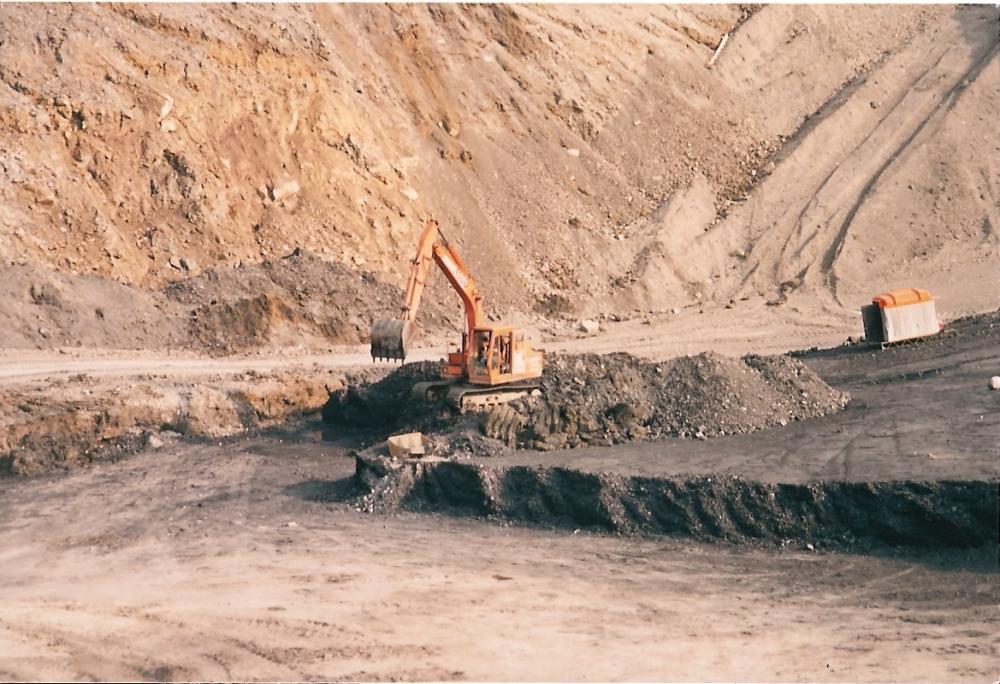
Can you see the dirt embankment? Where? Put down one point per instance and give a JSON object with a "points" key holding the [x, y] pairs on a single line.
{"points": [[80, 420], [591, 399], [822, 514], [298, 300]]}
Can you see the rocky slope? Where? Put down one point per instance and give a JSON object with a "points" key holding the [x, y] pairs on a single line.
{"points": [[583, 157]]}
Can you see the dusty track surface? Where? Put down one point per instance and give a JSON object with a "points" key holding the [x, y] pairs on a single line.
{"points": [[252, 568], [249, 559]]}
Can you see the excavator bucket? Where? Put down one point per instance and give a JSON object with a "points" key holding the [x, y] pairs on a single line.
{"points": [[391, 338]]}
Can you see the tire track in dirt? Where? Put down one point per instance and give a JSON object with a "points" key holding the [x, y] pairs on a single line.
{"points": [[830, 107], [800, 240], [946, 103], [800, 235]]}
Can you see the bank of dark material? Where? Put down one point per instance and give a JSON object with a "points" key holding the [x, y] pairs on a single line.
{"points": [[606, 399], [928, 515]]}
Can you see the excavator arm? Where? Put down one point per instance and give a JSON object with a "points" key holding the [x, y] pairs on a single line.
{"points": [[392, 338]]}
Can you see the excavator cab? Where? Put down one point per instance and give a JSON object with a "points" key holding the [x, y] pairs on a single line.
{"points": [[500, 355], [482, 345]]}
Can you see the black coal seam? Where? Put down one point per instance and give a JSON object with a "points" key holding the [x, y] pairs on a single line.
{"points": [[945, 514]]}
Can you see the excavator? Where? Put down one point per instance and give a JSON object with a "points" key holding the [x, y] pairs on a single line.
{"points": [[494, 364]]}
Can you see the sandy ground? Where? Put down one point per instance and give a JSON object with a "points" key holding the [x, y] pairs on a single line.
{"points": [[243, 559], [752, 207], [253, 568]]}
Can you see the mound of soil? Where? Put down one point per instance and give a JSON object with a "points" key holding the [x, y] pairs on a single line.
{"points": [[591, 399], [297, 300], [285, 300], [40, 308]]}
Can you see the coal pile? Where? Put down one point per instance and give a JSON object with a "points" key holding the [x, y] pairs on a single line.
{"points": [[387, 405], [591, 399]]}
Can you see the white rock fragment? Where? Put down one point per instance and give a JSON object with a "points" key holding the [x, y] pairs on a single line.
{"points": [[573, 152], [286, 189], [995, 382], [410, 193], [589, 326]]}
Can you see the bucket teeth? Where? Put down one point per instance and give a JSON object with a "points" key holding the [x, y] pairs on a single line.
{"points": [[390, 339]]}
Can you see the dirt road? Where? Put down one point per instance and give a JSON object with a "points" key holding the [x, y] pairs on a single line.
{"points": [[253, 568], [245, 559], [751, 327]]}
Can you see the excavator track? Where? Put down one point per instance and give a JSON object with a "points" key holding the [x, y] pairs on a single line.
{"points": [[431, 391], [468, 397]]}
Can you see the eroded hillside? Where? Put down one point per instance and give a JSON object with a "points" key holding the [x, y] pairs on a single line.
{"points": [[587, 153]]}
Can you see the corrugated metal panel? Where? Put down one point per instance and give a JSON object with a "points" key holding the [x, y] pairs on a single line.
{"points": [[906, 322]]}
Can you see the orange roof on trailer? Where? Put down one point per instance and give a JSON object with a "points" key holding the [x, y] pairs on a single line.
{"points": [[910, 295]]}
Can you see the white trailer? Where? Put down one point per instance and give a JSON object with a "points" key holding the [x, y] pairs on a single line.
{"points": [[900, 315]]}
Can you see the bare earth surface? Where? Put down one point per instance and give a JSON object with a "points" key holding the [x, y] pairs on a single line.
{"points": [[583, 159], [202, 207], [245, 559], [252, 569]]}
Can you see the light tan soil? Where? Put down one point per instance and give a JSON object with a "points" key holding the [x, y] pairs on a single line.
{"points": [[588, 164], [238, 562], [583, 152]]}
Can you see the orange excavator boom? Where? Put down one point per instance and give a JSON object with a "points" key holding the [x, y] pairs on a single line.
{"points": [[392, 338]]}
